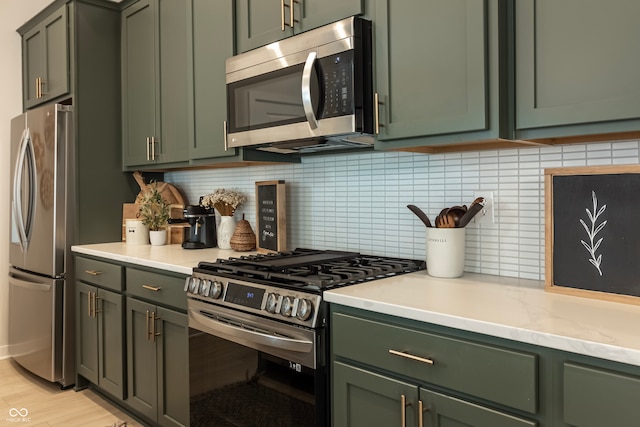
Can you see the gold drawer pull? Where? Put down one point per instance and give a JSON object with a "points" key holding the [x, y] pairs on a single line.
{"points": [[412, 357], [93, 272], [151, 288]]}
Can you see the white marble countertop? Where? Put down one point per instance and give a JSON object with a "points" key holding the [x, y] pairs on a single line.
{"points": [[514, 309], [168, 257]]}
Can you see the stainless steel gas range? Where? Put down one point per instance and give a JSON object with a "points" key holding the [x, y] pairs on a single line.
{"points": [[259, 335]]}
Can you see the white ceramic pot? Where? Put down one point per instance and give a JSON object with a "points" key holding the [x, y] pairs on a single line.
{"points": [[225, 230], [158, 237]]}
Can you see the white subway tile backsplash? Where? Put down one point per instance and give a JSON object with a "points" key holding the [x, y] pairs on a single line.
{"points": [[358, 201]]}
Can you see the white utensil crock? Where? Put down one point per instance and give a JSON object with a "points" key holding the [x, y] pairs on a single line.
{"points": [[445, 251]]}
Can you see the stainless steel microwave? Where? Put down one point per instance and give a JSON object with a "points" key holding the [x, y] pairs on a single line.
{"points": [[309, 93]]}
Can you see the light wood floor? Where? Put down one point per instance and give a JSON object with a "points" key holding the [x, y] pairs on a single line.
{"points": [[49, 406]]}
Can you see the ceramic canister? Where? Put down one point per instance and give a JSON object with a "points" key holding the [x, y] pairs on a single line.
{"points": [[136, 232], [445, 251]]}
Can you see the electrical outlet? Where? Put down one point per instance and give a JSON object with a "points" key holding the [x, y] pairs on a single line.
{"points": [[485, 216]]}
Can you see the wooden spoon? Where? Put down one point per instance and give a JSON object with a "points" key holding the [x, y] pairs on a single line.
{"points": [[445, 221]]}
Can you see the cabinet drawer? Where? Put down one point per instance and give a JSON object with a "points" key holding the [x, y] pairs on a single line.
{"points": [[496, 374], [99, 273], [157, 287], [595, 397]]}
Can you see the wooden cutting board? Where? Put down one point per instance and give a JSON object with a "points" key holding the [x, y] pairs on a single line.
{"points": [[168, 191]]}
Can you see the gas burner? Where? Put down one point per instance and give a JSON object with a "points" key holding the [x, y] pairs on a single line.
{"points": [[310, 269]]}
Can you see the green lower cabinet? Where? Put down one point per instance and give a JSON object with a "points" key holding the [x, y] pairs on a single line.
{"points": [[158, 363], [441, 410], [100, 352], [366, 398], [363, 398], [594, 397]]}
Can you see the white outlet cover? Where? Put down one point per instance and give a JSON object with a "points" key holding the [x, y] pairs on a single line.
{"points": [[486, 215]]}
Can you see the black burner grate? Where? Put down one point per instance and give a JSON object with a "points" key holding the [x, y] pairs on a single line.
{"points": [[311, 269]]}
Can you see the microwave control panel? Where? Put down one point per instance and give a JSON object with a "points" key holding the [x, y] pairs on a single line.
{"points": [[337, 82]]}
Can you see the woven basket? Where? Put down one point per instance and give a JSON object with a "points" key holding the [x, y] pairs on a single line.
{"points": [[243, 239]]}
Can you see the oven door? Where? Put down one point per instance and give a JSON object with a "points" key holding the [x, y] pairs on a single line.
{"points": [[248, 371]]}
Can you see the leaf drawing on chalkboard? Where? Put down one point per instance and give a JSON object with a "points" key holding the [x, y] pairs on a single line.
{"points": [[592, 230]]}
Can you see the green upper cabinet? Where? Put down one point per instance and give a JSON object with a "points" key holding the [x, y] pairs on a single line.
{"points": [[260, 22], [438, 72], [576, 67], [45, 56], [156, 83], [212, 20]]}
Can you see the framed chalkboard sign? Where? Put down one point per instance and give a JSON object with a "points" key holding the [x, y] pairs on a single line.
{"points": [[271, 214], [592, 232]]}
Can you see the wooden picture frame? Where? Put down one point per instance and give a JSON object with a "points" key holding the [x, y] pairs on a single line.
{"points": [[271, 216], [592, 241]]}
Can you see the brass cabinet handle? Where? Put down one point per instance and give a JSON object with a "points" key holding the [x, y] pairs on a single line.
{"points": [[93, 272], [148, 152], [153, 148], [291, 13], [153, 333], [403, 410], [37, 87], [89, 304], [412, 357], [95, 305], [152, 288], [42, 83], [376, 112], [420, 411], [282, 15], [147, 318]]}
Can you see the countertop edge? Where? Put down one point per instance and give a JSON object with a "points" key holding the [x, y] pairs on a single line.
{"points": [[584, 347]]}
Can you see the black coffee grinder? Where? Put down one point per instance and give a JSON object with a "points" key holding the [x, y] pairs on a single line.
{"points": [[202, 233]]}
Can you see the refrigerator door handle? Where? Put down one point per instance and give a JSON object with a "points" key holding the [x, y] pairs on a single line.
{"points": [[25, 153]]}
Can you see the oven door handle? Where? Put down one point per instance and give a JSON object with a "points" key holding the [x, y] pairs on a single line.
{"points": [[280, 342]]}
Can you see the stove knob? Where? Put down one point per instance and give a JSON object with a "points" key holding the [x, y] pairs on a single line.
{"points": [[272, 303], [287, 306], [194, 285], [305, 309], [216, 289], [205, 286]]}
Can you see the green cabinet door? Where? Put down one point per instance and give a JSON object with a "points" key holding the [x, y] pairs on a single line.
{"points": [[142, 367], [432, 58], [260, 22], [156, 83], [158, 363], [362, 398], [45, 56], [575, 64], [594, 397], [173, 368], [441, 410], [212, 20], [175, 81], [100, 344], [139, 86], [87, 333]]}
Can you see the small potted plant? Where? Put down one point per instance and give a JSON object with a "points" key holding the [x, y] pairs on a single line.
{"points": [[154, 211]]}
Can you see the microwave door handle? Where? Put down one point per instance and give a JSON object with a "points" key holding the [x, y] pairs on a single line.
{"points": [[307, 105]]}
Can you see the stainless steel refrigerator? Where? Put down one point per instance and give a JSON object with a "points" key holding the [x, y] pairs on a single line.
{"points": [[42, 198]]}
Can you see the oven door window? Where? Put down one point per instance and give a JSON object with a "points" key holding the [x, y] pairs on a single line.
{"points": [[234, 385], [269, 100]]}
